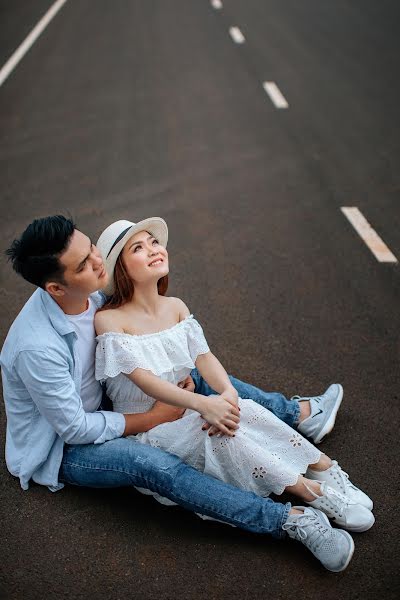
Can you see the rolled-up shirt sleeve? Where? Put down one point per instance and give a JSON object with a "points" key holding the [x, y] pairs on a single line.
{"points": [[49, 383]]}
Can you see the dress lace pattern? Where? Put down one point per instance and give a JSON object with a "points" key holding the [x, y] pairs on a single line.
{"points": [[265, 456]]}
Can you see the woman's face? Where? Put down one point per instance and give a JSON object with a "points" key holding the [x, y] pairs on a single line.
{"points": [[144, 258]]}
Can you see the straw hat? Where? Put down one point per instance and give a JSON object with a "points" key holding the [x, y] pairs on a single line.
{"points": [[114, 238]]}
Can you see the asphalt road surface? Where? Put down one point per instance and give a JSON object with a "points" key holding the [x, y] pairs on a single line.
{"points": [[129, 109]]}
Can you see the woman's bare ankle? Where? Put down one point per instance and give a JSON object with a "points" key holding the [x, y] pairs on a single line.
{"points": [[310, 490], [323, 464], [306, 489]]}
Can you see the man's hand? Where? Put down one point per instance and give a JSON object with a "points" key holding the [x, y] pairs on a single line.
{"points": [[187, 384], [164, 413], [221, 412]]}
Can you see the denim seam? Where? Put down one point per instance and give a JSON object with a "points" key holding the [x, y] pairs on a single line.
{"points": [[285, 516], [95, 467], [296, 414]]}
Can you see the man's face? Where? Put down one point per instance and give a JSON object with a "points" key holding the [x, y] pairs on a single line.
{"points": [[84, 269]]}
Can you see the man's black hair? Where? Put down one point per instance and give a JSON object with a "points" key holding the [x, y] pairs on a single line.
{"points": [[35, 256]]}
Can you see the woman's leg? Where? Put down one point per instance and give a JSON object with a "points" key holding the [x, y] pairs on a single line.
{"points": [[340, 508], [304, 488], [323, 464], [267, 456], [335, 477], [330, 471]]}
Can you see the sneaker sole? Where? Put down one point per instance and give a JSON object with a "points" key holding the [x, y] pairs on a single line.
{"points": [[331, 421], [358, 529], [349, 557]]}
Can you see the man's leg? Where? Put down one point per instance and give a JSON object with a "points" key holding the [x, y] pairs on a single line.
{"points": [[124, 462], [313, 416], [286, 410]]}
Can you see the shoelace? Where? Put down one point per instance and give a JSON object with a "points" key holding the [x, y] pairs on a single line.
{"points": [[298, 526], [342, 475], [336, 499], [339, 500]]}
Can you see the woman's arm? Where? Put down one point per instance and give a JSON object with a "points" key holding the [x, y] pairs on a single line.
{"points": [[209, 366], [218, 411], [214, 373]]}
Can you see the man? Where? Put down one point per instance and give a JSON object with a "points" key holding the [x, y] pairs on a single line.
{"points": [[57, 434]]}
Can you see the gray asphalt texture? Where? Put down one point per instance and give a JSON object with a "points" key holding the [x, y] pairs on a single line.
{"points": [[130, 109]]}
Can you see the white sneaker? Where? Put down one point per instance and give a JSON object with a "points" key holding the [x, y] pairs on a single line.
{"points": [[323, 413], [337, 479], [333, 547], [340, 509]]}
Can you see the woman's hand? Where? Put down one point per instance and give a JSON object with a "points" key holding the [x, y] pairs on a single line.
{"points": [[231, 396], [221, 413]]}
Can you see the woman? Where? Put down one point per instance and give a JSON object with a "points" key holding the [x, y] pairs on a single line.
{"points": [[148, 344]]}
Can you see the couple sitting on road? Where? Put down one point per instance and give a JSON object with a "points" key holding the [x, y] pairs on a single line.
{"points": [[181, 428]]}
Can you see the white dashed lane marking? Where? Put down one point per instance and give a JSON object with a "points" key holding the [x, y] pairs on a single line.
{"points": [[368, 235], [275, 94], [237, 35], [30, 40]]}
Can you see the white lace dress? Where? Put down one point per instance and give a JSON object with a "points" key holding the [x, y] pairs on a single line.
{"points": [[265, 456]]}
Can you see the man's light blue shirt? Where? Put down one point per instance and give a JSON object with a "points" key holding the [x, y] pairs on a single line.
{"points": [[42, 377]]}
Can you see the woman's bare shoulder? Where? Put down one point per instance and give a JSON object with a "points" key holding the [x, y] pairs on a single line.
{"points": [[108, 320], [180, 307]]}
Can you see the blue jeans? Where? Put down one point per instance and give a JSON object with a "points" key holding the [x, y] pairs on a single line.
{"points": [[124, 462]]}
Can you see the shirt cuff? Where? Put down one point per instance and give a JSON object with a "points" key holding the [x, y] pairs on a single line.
{"points": [[114, 426]]}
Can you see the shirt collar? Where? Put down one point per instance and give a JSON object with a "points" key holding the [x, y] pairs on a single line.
{"points": [[57, 316]]}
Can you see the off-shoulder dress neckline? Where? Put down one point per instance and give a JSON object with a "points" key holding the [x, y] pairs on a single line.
{"points": [[145, 335]]}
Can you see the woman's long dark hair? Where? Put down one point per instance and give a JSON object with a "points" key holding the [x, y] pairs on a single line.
{"points": [[124, 288]]}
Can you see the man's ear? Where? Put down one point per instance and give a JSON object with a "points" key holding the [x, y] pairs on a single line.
{"points": [[55, 289]]}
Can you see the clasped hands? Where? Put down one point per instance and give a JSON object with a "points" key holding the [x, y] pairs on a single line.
{"points": [[221, 413]]}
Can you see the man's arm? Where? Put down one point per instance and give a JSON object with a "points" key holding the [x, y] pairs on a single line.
{"points": [[48, 381], [159, 413], [47, 378]]}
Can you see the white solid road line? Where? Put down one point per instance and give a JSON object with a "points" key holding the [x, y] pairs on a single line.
{"points": [[29, 41], [237, 35], [217, 4], [369, 235], [275, 94]]}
